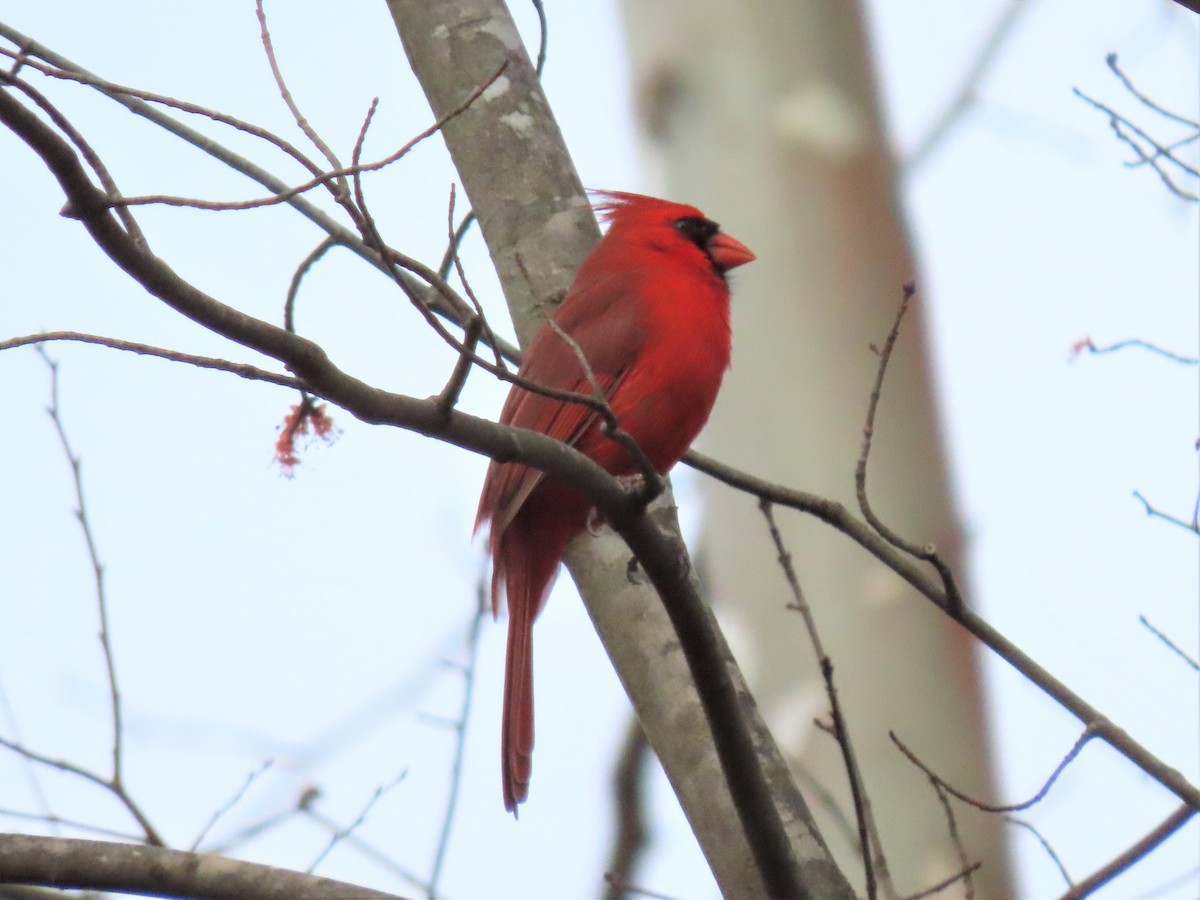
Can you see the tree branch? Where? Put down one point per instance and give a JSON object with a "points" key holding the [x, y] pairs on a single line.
{"points": [[68, 863]]}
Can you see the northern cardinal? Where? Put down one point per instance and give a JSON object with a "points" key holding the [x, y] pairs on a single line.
{"points": [[649, 309]]}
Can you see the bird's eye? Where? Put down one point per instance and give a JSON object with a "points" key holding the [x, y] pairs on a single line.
{"points": [[697, 230]]}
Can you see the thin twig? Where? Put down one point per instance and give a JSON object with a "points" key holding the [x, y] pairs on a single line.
{"points": [[448, 398], [80, 77], [629, 796], [825, 799], [262, 826], [460, 736], [242, 370], [1179, 651], [543, 37], [1119, 124], [230, 803], [341, 193], [1139, 850], [369, 851], [149, 834], [1155, 513], [285, 196], [967, 94], [342, 833], [456, 260], [1041, 839], [116, 779], [1080, 743], [1090, 347], [28, 768], [868, 836], [928, 553], [306, 264], [956, 840], [1111, 62]]}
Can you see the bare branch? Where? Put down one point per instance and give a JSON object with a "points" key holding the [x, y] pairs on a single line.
{"points": [[69, 863], [1138, 851], [243, 370]]}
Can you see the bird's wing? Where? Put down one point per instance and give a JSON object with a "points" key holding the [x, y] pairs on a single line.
{"points": [[604, 323]]}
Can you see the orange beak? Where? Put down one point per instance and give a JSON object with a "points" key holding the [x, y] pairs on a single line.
{"points": [[728, 252]]}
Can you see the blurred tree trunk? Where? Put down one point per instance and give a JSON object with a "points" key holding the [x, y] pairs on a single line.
{"points": [[765, 114]]}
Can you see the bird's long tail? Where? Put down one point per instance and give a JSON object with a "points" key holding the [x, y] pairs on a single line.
{"points": [[527, 558]]}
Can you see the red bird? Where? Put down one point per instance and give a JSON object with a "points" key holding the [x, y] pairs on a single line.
{"points": [[649, 308]]}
